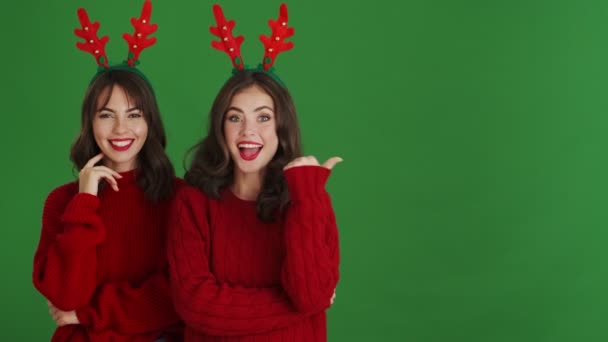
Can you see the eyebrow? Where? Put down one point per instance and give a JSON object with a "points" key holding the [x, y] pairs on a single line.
{"points": [[255, 110], [110, 110], [262, 107]]}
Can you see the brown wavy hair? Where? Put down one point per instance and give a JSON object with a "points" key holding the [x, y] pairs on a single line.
{"points": [[155, 172], [212, 169]]}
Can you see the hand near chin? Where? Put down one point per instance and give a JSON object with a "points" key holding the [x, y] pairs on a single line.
{"points": [[90, 176], [312, 161]]}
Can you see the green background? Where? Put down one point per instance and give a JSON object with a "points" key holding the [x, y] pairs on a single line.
{"points": [[471, 201]]}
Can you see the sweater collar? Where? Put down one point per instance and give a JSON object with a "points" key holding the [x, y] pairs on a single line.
{"points": [[128, 177]]}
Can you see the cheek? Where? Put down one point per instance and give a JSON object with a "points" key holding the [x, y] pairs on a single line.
{"points": [[230, 133], [100, 131], [271, 140], [270, 134], [141, 130]]}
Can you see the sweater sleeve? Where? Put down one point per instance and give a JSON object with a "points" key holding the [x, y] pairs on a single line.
{"points": [[131, 308], [205, 304], [66, 258], [310, 270]]}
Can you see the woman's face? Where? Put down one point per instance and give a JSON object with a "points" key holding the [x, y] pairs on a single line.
{"points": [[250, 130], [120, 130]]}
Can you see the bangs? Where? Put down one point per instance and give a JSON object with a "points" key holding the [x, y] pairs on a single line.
{"points": [[129, 84]]}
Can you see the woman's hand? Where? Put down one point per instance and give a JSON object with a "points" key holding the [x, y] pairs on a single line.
{"points": [[312, 161], [90, 176], [62, 317]]}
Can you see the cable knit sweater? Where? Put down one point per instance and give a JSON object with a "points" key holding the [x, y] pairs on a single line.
{"points": [[104, 256], [235, 278]]}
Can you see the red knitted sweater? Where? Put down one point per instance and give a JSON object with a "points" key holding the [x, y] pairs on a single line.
{"points": [[235, 278], [104, 256]]}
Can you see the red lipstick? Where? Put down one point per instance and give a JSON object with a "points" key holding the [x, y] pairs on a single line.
{"points": [[119, 144]]}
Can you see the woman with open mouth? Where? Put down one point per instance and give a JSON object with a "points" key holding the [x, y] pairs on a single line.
{"points": [[253, 246]]}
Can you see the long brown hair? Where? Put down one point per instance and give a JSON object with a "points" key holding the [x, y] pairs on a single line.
{"points": [[155, 171], [212, 169]]}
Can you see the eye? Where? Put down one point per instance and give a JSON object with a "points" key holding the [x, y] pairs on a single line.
{"points": [[264, 118], [104, 115], [233, 118], [135, 115]]}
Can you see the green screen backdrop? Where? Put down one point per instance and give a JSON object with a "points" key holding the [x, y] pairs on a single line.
{"points": [[471, 200]]}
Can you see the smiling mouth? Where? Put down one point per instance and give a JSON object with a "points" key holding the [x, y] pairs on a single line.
{"points": [[121, 144], [249, 151]]}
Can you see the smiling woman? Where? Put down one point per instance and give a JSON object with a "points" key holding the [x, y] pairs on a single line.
{"points": [[120, 130], [121, 120], [101, 261]]}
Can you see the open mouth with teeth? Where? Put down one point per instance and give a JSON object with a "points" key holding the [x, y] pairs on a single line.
{"points": [[121, 144], [249, 150]]}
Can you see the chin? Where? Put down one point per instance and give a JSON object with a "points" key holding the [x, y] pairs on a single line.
{"points": [[250, 170], [247, 167]]}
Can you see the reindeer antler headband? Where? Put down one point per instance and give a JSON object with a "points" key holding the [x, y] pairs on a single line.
{"points": [[136, 42], [273, 45]]}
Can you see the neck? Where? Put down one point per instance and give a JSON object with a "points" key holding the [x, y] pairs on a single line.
{"points": [[120, 167], [247, 186]]}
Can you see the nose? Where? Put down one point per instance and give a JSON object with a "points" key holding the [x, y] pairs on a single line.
{"points": [[248, 127], [120, 126]]}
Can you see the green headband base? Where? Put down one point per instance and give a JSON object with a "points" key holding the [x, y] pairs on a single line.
{"points": [[260, 68], [124, 67]]}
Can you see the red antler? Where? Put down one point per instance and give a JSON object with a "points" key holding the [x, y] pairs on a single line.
{"points": [[92, 44], [138, 42], [275, 44], [229, 44]]}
